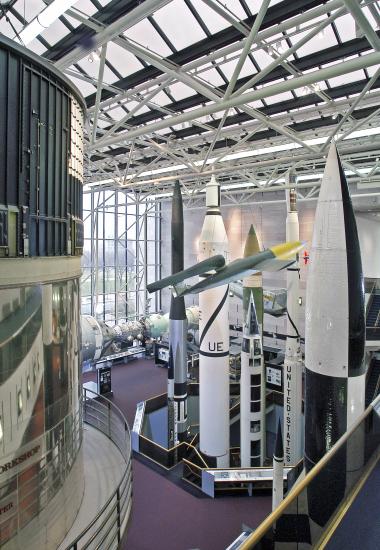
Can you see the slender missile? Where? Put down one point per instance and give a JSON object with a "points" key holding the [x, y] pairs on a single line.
{"points": [[254, 282], [274, 258], [278, 470], [252, 406], [253, 286], [293, 420], [334, 338], [214, 391], [177, 371]]}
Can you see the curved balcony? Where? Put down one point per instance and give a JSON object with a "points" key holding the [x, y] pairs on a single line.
{"points": [[53, 497], [107, 527]]}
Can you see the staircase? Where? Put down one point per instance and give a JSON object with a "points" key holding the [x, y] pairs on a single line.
{"points": [[372, 388], [373, 318], [373, 312]]}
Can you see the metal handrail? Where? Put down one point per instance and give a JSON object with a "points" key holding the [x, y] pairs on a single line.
{"points": [[258, 534], [124, 488], [376, 389]]}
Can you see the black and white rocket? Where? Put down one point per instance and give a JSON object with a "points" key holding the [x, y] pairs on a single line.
{"points": [[278, 470], [334, 338], [214, 422], [177, 373], [252, 407], [293, 419]]}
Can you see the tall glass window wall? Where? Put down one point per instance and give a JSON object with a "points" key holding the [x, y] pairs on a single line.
{"points": [[121, 255]]}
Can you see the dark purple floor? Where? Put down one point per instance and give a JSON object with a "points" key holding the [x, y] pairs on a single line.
{"points": [[164, 516]]}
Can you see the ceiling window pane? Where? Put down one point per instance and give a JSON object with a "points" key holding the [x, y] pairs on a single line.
{"points": [[179, 25]]}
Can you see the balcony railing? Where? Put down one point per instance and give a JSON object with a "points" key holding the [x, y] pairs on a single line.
{"points": [[315, 504], [107, 527]]}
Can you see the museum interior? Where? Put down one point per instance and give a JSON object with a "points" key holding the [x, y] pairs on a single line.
{"points": [[189, 274]]}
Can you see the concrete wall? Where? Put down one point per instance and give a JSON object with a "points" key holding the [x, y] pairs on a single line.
{"points": [[269, 221]]}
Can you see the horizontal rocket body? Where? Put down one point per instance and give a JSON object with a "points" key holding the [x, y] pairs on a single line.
{"points": [[210, 263], [272, 259], [214, 340], [335, 334]]}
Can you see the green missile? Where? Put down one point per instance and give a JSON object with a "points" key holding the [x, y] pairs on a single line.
{"points": [[210, 264], [273, 259]]}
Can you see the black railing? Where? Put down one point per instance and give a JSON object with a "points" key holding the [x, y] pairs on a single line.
{"points": [[308, 514]]}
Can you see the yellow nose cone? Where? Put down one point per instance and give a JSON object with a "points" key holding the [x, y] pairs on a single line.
{"points": [[252, 245], [286, 251]]}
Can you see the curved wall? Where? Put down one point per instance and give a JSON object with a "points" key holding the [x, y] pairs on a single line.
{"points": [[41, 239]]}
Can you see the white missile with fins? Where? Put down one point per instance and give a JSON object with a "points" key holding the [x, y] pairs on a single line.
{"points": [[214, 390], [293, 420], [252, 407], [278, 470]]}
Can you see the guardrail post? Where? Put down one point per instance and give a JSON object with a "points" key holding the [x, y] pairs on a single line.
{"points": [[118, 514], [109, 419], [85, 402]]}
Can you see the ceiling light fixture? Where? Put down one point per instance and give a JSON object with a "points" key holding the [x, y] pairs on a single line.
{"points": [[43, 20], [94, 56], [280, 47]]}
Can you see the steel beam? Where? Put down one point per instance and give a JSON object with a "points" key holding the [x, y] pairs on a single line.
{"points": [[283, 57], [354, 7], [139, 13], [235, 75], [199, 86], [99, 91], [349, 112], [267, 91], [293, 22]]}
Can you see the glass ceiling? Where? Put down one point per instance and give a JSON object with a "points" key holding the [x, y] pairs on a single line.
{"points": [[180, 55]]}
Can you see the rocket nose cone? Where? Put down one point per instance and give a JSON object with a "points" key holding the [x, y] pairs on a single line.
{"points": [[333, 177], [177, 189], [252, 245], [213, 193]]}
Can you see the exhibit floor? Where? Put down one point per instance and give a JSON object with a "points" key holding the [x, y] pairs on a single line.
{"points": [[164, 516]]}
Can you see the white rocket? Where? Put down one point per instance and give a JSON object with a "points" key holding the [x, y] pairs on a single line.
{"points": [[252, 408], [334, 339], [293, 420], [214, 422], [278, 470]]}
